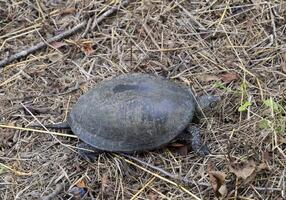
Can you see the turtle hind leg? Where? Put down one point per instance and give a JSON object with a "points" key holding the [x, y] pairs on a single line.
{"points": [[87, 151], [193, 138]]}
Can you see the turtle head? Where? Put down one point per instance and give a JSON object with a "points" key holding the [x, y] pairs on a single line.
{"points": [[206, 103]]}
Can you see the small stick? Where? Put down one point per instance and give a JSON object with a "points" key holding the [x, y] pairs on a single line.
{"points": [[61, 36], [106, 14], [40, 45], [160, 177], [87, 28], [53, 195], [173, 176]]}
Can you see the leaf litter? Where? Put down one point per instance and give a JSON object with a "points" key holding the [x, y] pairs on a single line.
{"points": [[246, 170], [217, 181], [239, 32]]}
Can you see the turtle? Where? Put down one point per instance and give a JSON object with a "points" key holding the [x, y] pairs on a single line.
{"points": [[138, 112]]}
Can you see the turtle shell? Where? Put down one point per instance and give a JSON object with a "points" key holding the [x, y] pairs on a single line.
{"points": [[132, 112]]}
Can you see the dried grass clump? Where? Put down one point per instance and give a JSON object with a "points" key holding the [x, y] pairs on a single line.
{"points": [[232, 48]]}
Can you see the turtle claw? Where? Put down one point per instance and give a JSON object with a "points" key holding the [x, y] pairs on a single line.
{"points": [[193, 138], [203, 150]]}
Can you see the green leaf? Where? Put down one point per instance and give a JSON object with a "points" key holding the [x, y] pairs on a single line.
{"points": [[243, 87], [281, 127], [2, 169], [271, 104], [219, 85], [244, 106], [264, 124]]}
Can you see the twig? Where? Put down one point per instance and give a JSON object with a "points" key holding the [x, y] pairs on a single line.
{"points": [[37, 131], [87, 28], [158, 176], [59, 188], [106, 14], [40, 45], [266, 189], [173, 176], [73, 89], [61, 36]]}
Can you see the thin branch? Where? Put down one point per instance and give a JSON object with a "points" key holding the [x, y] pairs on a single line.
{"points": [[57, 191], [61, 36], [168, 174]]}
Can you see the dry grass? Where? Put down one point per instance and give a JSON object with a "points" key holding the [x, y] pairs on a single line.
{"points": [[202, 43]]}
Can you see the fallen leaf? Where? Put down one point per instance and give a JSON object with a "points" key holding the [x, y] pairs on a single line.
{"points": [[262, 166], [152, 196], [79, 190], [58, 45], [54, 57], [217, 181], [80, 183], [283, 63], [282, 140], [3, 170], [208, 78], [104, 183], [86, 47], [68, 11], [228, 77], [246, 170], [183, 150], [170, 43], [243, 169], [265, 156], [175, 144]]}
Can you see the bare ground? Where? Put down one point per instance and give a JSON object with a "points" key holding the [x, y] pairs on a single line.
{"points": [[236, 49]]}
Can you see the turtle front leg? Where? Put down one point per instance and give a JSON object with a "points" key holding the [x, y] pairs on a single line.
{"points": [[87, 152], [193, 138]]}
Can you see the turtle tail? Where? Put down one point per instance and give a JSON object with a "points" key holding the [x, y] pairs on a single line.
{"points": [[62, 125]]}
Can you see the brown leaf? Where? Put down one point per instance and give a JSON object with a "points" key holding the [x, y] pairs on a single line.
{"points": [[208, 78], [243, 169], [68, 11], [265, 156], [152, 196], [283, 63], [246, 170], [228, 77], [58, 45], [104, 183], [175, 144], [217, 180], [262, 166], [86, 47], [183, 150], [80, 183], [79, 189]]}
